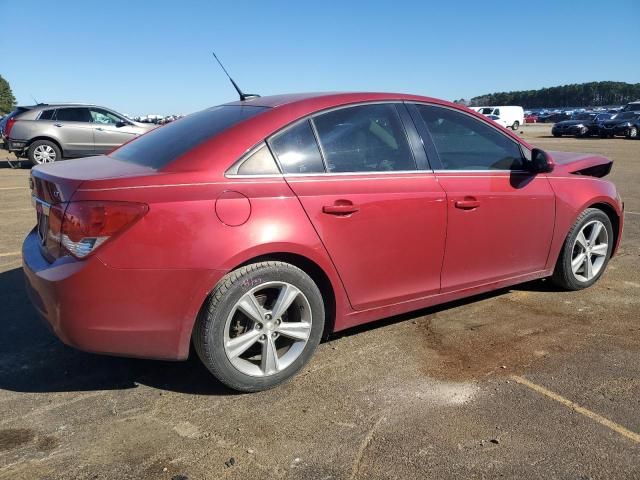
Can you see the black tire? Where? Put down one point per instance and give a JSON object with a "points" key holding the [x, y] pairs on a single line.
{"points": [[563, 275], [32, 154], [632, 132], [515, 125], [209, 331], [556, 134]]}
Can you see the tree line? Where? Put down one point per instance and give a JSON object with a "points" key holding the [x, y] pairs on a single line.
{"points": [[592, 94], [7, 100]]}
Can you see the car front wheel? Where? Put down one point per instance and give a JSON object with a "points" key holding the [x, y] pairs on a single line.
{"points": [[632, 132], [515, 125], [43, 151], [586, 251], [260, 326]]}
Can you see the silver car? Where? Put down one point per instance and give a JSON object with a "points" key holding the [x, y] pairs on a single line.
{"points": [[46, 132]]}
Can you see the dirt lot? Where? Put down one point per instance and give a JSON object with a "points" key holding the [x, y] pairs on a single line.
{"points": [[523, 383]]}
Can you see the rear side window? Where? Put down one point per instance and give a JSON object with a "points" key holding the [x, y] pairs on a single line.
{"points": [[297, 150], [365, 138], [466, 143], [260, 162], [46, 115], [163, 145], [73, 115]]}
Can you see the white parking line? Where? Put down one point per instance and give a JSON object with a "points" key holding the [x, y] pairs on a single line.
{"points": [[632, 213], [580, 409], [11, 254], [14, 188]]}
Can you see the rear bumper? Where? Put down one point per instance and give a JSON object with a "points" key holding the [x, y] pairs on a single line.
{"points": [[15, 145], [127, 312]]}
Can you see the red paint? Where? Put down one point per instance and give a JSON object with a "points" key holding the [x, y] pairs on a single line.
{"points": [[233, 208], [388, 243]]}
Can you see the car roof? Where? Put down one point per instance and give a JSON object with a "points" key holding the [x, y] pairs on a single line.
{"points": [[329, 98]]}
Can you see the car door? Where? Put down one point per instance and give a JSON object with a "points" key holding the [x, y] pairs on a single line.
{"points": [[381, 219], [500, 216], [74, 131], [110, 130]]}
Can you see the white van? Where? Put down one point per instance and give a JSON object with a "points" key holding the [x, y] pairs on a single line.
{"points": [[509, 115]]}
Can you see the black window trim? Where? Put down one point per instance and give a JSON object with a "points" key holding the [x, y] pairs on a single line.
{"points": [[308, 118], [432, 152], [53, 111]]}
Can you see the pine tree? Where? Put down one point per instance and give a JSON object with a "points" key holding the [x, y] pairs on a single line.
{"points": [[7, 100]]}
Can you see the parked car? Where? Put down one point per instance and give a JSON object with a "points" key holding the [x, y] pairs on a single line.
{"points": [[632, 107], [620, 125], [510, 116], [531, 118], [580, 125], [553, 117], [252, 229], [46, 133], [5, 120]]}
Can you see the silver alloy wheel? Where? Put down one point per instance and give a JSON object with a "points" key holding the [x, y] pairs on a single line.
{"points": [[589, 251], [633, 132], [44, 154], [267, 329]]}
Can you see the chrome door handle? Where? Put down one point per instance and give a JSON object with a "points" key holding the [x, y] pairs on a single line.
{"points": [[100, 129], [57, 124]]}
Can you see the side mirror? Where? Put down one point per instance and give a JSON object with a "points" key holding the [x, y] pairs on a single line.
{"points": [[541, 162], [121, 123]]}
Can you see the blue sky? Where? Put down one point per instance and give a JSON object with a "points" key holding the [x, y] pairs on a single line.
{"points": [[154, 57]]}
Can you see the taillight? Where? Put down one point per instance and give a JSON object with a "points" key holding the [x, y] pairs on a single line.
{"points": [[8, 126], [85, 226]]}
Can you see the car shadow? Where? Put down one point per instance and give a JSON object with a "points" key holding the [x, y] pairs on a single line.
{"points": [[33, 360]]}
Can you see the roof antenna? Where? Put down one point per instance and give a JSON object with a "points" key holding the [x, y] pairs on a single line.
{"points": [[34, 99], [243, 96]]}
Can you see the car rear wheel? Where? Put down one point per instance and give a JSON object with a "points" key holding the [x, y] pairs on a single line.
{"points": [[260, 326], [633, 132], [43, 151], [586, 251], [515, 125]]}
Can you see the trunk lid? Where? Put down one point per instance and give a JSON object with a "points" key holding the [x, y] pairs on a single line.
{"points": [[580, 164], [57, 182]]}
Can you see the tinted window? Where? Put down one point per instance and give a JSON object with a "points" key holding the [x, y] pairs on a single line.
{"points": [[46, 115], [73, 115], [297, 150], [366, 138], [465, 143], [164, 144], [260, 162]]}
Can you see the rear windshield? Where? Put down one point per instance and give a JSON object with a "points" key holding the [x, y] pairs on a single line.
{"points": [[165, 144]]}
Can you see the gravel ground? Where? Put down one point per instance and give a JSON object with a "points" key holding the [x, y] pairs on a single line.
{"points": [[525, 382]]}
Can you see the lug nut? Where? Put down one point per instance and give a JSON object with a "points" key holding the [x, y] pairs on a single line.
{"points": [[274, 335], [278, 322], [267, 316], [263, 337]]}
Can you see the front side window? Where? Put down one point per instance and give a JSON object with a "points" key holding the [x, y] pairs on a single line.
{"points": [[465, 143], [364, 138], [297, 150], [102, 116], [73, 115]]}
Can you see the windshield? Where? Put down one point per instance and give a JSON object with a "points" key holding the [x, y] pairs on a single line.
{"points": [[163, 145], [626, 116], [583, 116]]}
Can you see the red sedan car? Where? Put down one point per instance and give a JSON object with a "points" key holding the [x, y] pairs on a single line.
{"points": [[253, 228]]}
